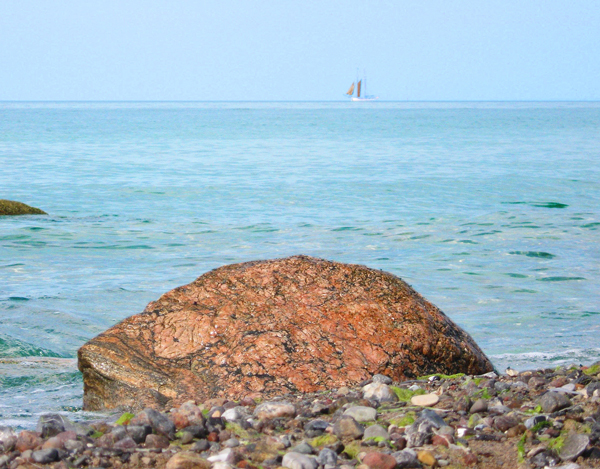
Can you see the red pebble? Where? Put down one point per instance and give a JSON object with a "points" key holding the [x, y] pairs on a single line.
{"points": [[470, 459], [213, 436], [28, 440], [379, 461]]}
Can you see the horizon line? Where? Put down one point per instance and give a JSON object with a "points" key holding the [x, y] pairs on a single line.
{"points": [[295, 101]]}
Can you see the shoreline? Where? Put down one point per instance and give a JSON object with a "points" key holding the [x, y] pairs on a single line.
{"points": [[532, 418]]}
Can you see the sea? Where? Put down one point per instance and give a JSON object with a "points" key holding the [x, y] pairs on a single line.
{"points": [[491, 210]]}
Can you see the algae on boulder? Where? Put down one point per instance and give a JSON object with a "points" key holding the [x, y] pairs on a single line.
{"points": [[298, 324], [11, 207]]}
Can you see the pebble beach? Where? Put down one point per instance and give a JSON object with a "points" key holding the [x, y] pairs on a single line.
{"points": [[528, 419]]}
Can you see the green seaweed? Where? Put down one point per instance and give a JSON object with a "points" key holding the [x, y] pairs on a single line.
{"points": [[237, 429], [536, 410], [352, 449], [442, 376], [557, 443], [405, 420], [323, 440], [96, 434], [376, 439], [124, 419], [593, 370], [477, 380], [538, 426], [404, 394], [483, 393], [521, 448]]}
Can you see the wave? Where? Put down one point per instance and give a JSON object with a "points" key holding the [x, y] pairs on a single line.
{"points": [[11, 347]]}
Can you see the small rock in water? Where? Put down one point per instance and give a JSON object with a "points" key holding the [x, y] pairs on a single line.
{"points": [[361, 413], [293, 460], [574, 445], [425, 400]]}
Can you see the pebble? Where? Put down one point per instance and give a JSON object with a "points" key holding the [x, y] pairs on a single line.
{"points": [[278, 424], [378, 378], [187, 460], [406, 458], [348, 428], [227, 455], [553, 401], [425, 400], [361, 413], [272, 410], [293, 460], [379, 461], [375, 431], [380, 392], [45, 456], [480, 405], [574, 445], [327, 457], [427, 458]]}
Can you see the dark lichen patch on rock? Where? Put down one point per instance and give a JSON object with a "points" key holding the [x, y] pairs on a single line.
{"points": [[11, 207]]}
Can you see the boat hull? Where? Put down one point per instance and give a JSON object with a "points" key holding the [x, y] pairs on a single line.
{"points": [[364, 99]]}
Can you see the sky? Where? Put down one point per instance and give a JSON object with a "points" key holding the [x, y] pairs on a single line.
{"points": [[283, 50]]}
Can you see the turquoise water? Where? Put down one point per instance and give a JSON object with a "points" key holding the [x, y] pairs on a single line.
{"points": [[490, 210]]}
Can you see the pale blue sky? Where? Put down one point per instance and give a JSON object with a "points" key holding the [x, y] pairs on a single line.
{"points": [[308, 50]]}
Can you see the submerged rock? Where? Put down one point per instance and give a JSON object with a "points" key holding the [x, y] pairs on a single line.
{"points": [[298, 324], [11, 207]]}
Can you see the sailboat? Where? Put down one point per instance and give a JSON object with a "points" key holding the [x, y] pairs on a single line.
{"points": [[361, 91]]}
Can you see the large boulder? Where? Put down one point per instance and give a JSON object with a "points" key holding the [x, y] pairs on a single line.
{"points": [[298, 324], [10, 207]]}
